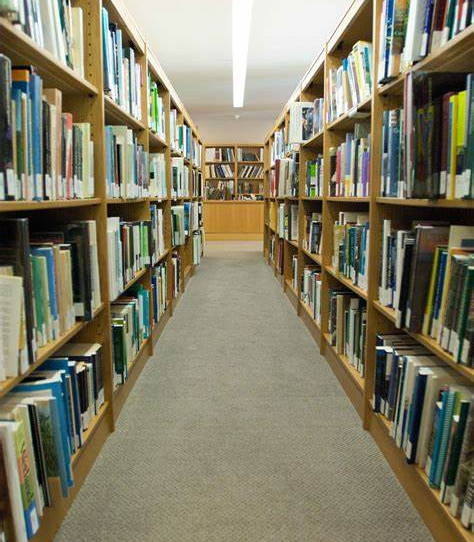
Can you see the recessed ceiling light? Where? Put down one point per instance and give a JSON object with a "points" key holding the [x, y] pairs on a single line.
{"points": [[241, 18]]}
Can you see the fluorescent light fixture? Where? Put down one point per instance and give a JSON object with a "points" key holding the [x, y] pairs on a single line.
{"points": [[241, 17]]}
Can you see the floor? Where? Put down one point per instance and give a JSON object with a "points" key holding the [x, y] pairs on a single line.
{"points": [[237, 431]]}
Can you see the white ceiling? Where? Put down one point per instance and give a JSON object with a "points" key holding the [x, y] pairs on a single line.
{"points": [[192, 39]]}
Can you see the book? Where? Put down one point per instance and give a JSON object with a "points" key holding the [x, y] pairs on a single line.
{"points": [[312, 240], [301, 122], [159, 290], [311, 285], [314, 181], [178, 235], [220, 154]]}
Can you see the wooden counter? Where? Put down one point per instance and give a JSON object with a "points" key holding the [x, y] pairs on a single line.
{"points": [[229, 220]]}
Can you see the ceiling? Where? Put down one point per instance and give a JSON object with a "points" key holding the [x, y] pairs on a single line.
{"points": [[192, 39]]}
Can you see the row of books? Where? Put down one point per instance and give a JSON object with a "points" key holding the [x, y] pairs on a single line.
{"points": [[290, 221], [431, 414], [49, 278], [159, 290], [43, 422], [183, 140], [410, 31], [198, 246], [314, 177], [351, 247], [131, 326], [179, 178], [249, 155], [427, 278], [178, 230], [55, 25], [219, 171], [250, 188], [44, 155], [197, 179], [196, 152], [351, 83], [428, 144], [122, 70], [278, 148], [311, 286], [306, 120], [177, 265], [294, 265], [347, 327], [130, 247], [312, 241], [220, 154], [284, 179], [156, 108], [350, 164], [219, 190], [250, 172]]}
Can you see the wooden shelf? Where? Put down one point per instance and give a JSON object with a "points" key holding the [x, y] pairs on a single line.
{"points": [[347, 282], [11, 206], [315, 198], [131, 282], [125, 201], [348, 120], [347, 199], [114, 114], [292, 243], [89, 433], [344, 361], [22, 50], [45, 352], [429, 343], [156, 142], [317, 258], [436, 203], [315, 141]]}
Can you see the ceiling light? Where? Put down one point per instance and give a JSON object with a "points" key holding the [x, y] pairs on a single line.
{"points": [[241, 17]]}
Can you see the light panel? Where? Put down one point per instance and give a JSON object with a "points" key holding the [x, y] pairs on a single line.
{"points": [[241, 19]]}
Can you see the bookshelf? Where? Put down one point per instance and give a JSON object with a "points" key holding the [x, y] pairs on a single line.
{"points": [[361, 22], [88, 102], [233, 205]]}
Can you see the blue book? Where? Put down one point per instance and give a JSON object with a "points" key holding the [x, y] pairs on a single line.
{"points": [[416, 410], [105, 50], [47, 253], [52, 381], [120, 89], [394, 151], [380, 360], [441, 438], [388, 37], [37, 131]]}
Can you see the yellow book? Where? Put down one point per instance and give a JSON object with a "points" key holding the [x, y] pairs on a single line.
{"points": [[459, 189], [453, 105], [431, 292]]}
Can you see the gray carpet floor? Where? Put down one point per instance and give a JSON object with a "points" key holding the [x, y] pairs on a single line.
{"points": [[237, 431]]}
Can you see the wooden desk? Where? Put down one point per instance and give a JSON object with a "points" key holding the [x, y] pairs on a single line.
{"points": [[233, 220]]}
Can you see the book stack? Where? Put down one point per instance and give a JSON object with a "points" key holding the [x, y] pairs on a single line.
{"points": [[177, 264], [291, 223], [301, 122], [127, 168], [271, 247], [56, 26], [427, 278], [287, 175], [250, 172], [294, 266], [311, 290], [318, 116], [272, 215], [129, 245], [314, 177], [351, 83], [347, 327], [249, 155], [280, 261], [44, 154], [428, 144], [122, 71], [220, 154], [157, 238], [313, 233], [42, 425], [157, 181], [184, 140], [278, 148], [350, 164], [351, 247], [196, 220], [179, 178], [178, 231], [131, 327], [197, 247], [281, 228], [159, 290], [410, 31], [48, 280], [250, 189], [430, 412], [219, 171], [156, 108], [220, 190]]}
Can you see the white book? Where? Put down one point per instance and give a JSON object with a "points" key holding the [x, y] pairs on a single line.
{"points": [[77, 40], [11, 302]]}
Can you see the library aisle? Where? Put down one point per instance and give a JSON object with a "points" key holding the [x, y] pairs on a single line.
{"points": [[238, 431]]}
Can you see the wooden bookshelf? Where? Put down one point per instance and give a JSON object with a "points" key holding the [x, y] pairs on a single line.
{"points": [[87, 101], [361, 22]]}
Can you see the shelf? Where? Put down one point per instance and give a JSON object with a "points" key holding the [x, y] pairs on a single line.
{"points": [[259, 179], [162, 256], [219, 178], [249, 162], [347, 121], [344, 360], [435, 203], [131, 282], [315, 198], [124, 201], [88, 434], [115, 115], [315, 257], [315, 141], [347, 282], [289, 284], [11, 206], [348, 199], [292, 243], [22, 50], [47, 351], [221, 162], [429, 343], [156, 141]]}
